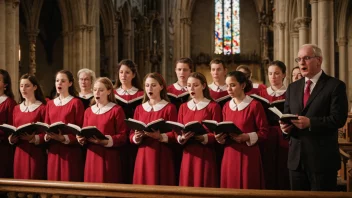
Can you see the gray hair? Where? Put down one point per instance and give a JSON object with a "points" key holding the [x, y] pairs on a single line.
{"points": [[316, 49], [87, 71]]}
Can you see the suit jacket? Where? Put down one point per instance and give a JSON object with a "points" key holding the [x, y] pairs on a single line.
{"points": [[327, 108]]}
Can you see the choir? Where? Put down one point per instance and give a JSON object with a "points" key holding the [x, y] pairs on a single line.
{"points": [[254, 159]]}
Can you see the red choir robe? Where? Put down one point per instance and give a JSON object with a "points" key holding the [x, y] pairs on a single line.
{"points": [[256, 89], [154, 163], [198, 166], [217, 92], [176, 89], [275, 148], [30, 158], [103, 163], [128, 151], [7, 151], [241, 164], [65, 160]]}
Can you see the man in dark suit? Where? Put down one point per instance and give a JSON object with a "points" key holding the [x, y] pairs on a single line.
{"points": [[321, 103]]}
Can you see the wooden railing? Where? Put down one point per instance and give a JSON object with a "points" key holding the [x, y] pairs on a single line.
{"points": [[58, 189]]}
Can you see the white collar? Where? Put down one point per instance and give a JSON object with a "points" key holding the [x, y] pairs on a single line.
{"points": [[178, 87], [104, 109], [276, 93], [315, 78], [3, 98], [31, 107], [62, 102], [201, 105], [245, 102], [216, 88], [255, 85], [158, 106], [87, 96], [131, 91]]}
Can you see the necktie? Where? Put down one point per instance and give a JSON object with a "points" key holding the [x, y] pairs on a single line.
{"points": [[306, 92]]}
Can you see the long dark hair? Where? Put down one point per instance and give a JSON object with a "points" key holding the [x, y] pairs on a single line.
{"points": [[7, 82], [133, 67], [161, 81], [72, 89], [38, 93], [203, 81], [242, 79]]}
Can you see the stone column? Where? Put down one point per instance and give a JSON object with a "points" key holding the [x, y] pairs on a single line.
{"points": [[2, 34], [326, 34], [32, 38], [281, 41], [295, 46], [12, 42], [127, 44], [342, 42], [186, 36], [349, 83], [303, 29], [109, 51], [115, 46], [314, 25]]}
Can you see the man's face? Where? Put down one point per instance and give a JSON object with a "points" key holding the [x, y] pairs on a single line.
{"points": [[309, 64]]}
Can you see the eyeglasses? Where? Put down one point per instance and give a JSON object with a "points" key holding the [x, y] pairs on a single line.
{"points": [[305, 58]]}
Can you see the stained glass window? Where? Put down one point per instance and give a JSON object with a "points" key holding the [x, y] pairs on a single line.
{"points": [[227, 27]]}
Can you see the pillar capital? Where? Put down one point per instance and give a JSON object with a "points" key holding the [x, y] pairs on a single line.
{"points": [[342, 41], [350, 41], [294, 34], [281, 25], [303, 22], [186, 20]]}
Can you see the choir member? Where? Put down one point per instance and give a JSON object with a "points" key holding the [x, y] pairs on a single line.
{"points": [[183, 70], [86, 78], [256, 87], [241, 164], [65, 159], [128, 87], [198, 166], [7, 104], [218, 72], [154, 163], [275, 148], [296, 74], [30, 154], [103, 162]]}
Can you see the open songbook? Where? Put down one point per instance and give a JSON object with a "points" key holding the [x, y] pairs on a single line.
{"points": [[29, 128], [193, 126], [54, 127], [283, 117], [158, 124], [87, 132], [222, 127]]}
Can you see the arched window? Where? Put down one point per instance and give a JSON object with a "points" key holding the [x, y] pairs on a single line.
{"points": [[227, 27]]}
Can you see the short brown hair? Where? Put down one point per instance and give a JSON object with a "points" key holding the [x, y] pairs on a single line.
{"points": [[187, 61], [217, 61]]}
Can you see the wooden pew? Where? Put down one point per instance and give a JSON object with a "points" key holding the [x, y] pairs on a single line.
{"points": [[61, 189]]}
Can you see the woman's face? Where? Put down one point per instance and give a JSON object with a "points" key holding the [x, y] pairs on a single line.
{"points": [[27, 89], [152, 88], [275, 75], [195, 87], [62, 83], [101, 93], [126, 75], [234, 88], [85, 81], [296, 74]]}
